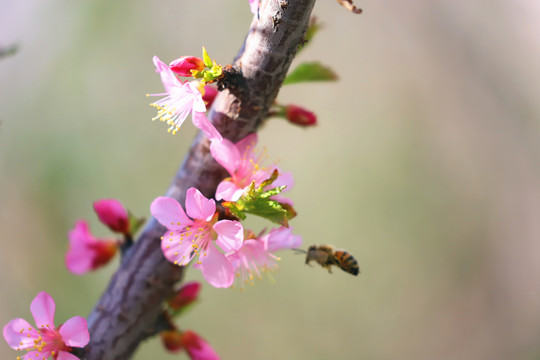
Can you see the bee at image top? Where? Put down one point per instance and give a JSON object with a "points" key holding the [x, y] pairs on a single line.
{"points": [[326, 256]]}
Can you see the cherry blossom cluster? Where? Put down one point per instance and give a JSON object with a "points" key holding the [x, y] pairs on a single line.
{"points": [[209, 233]]}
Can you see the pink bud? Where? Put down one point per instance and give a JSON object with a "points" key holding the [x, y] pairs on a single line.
{"points": [[113, 214], [210, 93], [185, 295], [184, 65], [197, 348], [172, 340], [86, 252], [300, 116]]}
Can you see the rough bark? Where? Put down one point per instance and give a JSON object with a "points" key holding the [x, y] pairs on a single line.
{"points": [[129, 311]]}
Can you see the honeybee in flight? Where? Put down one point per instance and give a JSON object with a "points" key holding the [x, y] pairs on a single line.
{"points": [[326, 256]]}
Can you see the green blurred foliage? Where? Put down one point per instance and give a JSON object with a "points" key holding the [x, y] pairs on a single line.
{"points": [[427, 152]]}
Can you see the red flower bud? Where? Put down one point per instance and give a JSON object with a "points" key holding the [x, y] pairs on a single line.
{"points": [[184, 65], [300, 116], [172, 340], [210, 93], [197, 348], [112, 213], [185, 295]]}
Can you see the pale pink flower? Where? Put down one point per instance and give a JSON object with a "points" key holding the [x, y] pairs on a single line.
{"points": [[46, 339], [180, 99], [257, 254], [243, 163], [85, 251], [112, 213], [196, 234]]}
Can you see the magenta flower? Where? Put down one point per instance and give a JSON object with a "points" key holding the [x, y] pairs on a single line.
{"points": [[85, 251], [244, 165], [256, 254], [46, 340], [180, 100], [112, 213], [196, 234]]}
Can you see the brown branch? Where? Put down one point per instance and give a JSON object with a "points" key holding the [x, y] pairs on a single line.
{"points": [[130, 309]]}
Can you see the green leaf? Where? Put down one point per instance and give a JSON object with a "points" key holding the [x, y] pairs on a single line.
{"points": [[310, 71], [206, 58], [257, 201]]}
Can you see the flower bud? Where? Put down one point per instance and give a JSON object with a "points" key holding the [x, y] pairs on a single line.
{"points": [[185, 295], [184, 65], [86, 252], [112, 213], [197, 348], [172, 340], [300, 116], [210, 93]]}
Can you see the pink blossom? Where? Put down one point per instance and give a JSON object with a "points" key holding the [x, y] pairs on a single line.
{"points": [[46, 340], [256, 254], [112, 213], [180, 100], [185, 64], [186, 295], [197, 348], [194, 234], [243, 163], [85, 251]]}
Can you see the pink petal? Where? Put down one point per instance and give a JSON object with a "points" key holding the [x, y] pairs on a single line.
{"points": [[80, 234], [79, 259], [199, 207], [230, 235], [169, 80], [37, 355], [281, 239], [226, 154], [14, 337], [284, 179], [198, 102], [176, 252], [247, 144], [74, 332], [254, 6], [169, 213], [63, 355], [228, 191], [216, 269], [201, 121], [42, 309]]}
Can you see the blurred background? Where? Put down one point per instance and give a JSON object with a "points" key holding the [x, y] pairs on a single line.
{"points": [[425, 166]]}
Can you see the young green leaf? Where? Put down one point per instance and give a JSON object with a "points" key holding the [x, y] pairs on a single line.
{"points": [[310, 71]]}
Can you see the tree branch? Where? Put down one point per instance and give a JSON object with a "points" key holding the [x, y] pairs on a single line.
{"points": [[129, 310]]}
